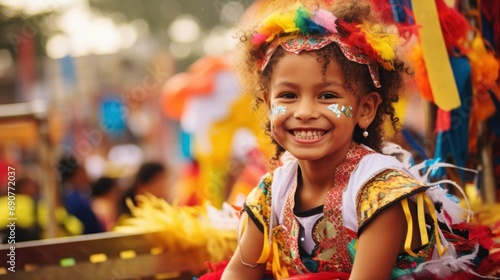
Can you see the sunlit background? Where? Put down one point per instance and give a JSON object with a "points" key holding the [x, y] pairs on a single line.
{"points": [[80, 62]]}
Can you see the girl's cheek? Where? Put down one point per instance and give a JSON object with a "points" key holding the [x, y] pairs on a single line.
{"points": [[277, 111], [273, 131], [339, 110]]}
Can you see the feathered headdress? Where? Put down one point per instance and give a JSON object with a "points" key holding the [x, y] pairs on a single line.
{"points": [[304, 29]]}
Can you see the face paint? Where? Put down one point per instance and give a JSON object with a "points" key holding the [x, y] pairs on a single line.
{"points": [[335, 109], [347, 111], [275, 110]]}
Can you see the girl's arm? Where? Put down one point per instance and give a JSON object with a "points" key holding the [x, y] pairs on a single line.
{"points": [[249, 250], [379, 245]]}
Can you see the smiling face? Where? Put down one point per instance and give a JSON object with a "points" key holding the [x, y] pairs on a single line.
{"points": [[313, 113]]}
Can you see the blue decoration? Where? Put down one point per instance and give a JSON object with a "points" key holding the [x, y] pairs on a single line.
{"points": [[113, 116]]}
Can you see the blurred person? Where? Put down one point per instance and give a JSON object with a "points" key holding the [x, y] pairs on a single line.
{"points": [[104, 201], [76, 193], [151, 177], [26, 225], [31, 214]]}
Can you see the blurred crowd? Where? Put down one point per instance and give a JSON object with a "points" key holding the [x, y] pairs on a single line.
{"points": [[83, 206]]}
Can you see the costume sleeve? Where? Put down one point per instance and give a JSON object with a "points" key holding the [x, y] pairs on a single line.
{"points": [[258, 202], [383, 190]]}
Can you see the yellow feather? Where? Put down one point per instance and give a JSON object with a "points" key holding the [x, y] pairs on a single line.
{"points": [[278, 23], [184, 229], [383, 42]]}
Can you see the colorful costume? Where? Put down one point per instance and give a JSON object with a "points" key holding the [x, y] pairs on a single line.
{"points": [[324, 238]]}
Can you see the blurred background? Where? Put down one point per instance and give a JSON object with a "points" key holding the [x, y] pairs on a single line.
{"points": [[81, 84], [101, 100]]}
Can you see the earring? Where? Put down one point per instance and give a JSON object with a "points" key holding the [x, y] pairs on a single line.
{"points": [[365, 133]]}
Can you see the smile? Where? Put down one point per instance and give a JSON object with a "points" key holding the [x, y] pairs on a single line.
{"points": [[308, 134]]}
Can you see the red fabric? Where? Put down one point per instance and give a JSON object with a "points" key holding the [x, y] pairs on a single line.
{"points": [[478, 233], [322, 276], [490, 9], [490, 266], [216, 270], [443, 121]]}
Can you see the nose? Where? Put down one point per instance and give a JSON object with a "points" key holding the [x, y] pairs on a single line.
{"points": [[306, 110]]}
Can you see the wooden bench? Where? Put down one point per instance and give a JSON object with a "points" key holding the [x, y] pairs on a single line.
{"points": [[97, 256]]}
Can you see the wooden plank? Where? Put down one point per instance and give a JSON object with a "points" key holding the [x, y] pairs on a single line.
{"points": [[43, 259]]}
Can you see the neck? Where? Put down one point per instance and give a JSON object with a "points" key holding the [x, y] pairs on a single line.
{"points": [[320, 174]]}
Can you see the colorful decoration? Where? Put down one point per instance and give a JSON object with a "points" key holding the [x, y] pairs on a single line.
{"points": [[225, 135], [441, 80]]}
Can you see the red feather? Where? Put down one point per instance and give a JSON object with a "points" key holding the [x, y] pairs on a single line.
{"points": [[354, 37], [454, 27]]}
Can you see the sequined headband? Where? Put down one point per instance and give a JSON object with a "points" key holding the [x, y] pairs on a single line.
{"points": [[303, 30], [316, 42]]}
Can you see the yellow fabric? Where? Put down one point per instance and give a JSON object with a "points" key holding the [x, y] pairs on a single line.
{"points": [[409, 233], [424, 238], [382, 190], [266, 250], [441, 79], [279, 271], [439, 244]]}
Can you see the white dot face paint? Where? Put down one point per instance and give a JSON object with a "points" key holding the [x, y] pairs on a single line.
{"points": [[347, 111], [277, 109]]}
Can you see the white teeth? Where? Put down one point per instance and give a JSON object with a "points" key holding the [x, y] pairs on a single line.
{"points": [[308, 135]]}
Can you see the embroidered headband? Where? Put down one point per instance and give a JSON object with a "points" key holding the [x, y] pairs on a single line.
{"points": [[303, 30]]}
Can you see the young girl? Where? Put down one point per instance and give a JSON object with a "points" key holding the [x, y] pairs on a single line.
{"points": [[329, 73]]}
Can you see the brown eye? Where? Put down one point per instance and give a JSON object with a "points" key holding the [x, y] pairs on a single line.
{"points": [[328, 95], [287, 95]]}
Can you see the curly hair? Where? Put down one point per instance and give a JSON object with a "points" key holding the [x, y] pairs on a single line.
{"points": [[357, 76]]}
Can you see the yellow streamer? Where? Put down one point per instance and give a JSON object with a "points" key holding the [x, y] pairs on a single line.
{"points": [[265, 248], [441, 79], [409, 232], [421, 219], [439, 244]]}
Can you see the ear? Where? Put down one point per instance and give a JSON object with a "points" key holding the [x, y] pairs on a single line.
{"points": [[265, 96], [368, 108]]}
